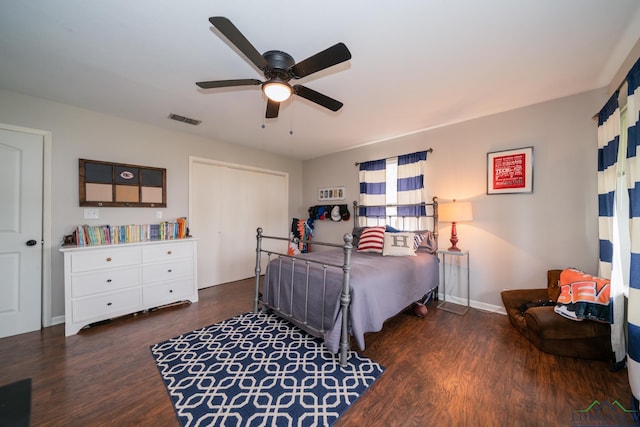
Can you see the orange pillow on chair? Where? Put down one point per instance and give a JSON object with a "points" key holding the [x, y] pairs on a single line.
{"points": [[583, 296]]}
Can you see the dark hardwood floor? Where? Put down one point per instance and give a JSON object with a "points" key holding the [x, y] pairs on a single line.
{"points": [[441, 370]]}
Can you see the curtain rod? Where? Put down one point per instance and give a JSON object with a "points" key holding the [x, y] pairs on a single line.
{"points": [[428, 150], [620, 86]]}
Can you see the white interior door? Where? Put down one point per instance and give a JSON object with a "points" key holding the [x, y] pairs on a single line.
{"points": [[21, 192], [228, 203]]}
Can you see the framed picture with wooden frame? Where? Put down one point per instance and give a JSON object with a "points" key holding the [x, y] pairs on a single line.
{"points": [[107, 184], [510, 171]]}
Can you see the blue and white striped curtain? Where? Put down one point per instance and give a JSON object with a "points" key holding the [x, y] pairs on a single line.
{"points": [[411, 190], [411, 183], [633, 182], [373, 187], [608, 147], [608, 143]]}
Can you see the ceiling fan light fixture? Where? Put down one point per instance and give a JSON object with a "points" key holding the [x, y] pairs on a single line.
{"points": [[278, 68], [277, 91]]}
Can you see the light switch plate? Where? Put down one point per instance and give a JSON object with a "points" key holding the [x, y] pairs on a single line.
{"points": [[91, 213], [159, 214]]}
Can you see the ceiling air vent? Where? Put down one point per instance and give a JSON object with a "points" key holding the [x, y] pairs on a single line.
{"points": [[184, 119]]}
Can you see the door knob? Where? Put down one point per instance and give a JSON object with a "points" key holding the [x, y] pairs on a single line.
{"points": [[31, 242]]}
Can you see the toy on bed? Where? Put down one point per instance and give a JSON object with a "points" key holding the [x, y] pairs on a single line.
{"points": [[300, 236], [351, 288]]}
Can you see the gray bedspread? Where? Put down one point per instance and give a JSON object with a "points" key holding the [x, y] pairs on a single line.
{"points": [[381, 287]]}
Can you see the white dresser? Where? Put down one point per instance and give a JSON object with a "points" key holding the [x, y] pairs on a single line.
{"points": [[102, 282]]}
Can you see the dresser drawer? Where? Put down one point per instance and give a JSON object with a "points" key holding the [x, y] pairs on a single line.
{"points": [[102, 282], [105, 306], [165, 293], [167, 251], [163, 271], [108, 280], [104, 258]]}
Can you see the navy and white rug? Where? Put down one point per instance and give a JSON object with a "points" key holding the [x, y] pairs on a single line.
{"points": [[259, 370]]}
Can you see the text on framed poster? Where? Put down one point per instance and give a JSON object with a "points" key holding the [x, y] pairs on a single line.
{"points": [[510, 171]]}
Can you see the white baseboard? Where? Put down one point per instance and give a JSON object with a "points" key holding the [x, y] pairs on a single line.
{"points": [[475, 304], [57, 320]]}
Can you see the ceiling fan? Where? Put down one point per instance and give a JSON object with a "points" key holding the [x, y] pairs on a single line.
{"points": [[279, 68]]}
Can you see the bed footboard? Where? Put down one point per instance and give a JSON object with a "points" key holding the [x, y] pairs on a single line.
{"points": [[345, 293]]}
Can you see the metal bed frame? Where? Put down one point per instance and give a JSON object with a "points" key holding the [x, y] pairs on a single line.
{"points": [[345, 295]]}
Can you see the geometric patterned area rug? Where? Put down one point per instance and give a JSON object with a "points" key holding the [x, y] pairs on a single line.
{"points": [[257, 369]]}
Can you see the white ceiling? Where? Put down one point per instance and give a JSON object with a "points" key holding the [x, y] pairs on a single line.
{"points": [[415, 65]]}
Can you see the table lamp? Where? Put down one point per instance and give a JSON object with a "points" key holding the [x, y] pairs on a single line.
{"points": [[454, 212]]}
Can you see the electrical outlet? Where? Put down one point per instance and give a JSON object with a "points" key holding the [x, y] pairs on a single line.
{"points": [[159, 214], [91, 213]]}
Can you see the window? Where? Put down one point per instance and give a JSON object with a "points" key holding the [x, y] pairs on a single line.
{"points": [[386, 183]]}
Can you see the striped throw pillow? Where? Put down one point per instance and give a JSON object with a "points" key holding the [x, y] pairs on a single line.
{"points": [[372, 240], [417, 240]]}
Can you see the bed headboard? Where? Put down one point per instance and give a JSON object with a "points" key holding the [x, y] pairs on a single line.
{"points": [[411, 222]]}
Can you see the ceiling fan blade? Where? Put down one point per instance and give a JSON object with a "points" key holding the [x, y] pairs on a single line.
{"points": [[273, 108], [329, 57], [228, 83], [235, 36], [317, 97]]}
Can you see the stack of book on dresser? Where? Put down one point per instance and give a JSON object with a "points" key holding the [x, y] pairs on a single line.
{"points": [[90, 235]]}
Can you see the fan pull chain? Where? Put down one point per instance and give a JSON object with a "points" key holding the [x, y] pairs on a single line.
{"points": [[291, 118]]}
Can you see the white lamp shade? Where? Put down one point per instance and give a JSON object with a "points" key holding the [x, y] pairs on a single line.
{"points": [[277, 91], [455, 212]]}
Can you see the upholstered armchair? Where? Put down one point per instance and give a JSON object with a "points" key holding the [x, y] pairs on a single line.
{"points": [[549, 331]]}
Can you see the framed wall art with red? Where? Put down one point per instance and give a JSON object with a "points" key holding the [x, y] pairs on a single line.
{"points": [[510, 171]]}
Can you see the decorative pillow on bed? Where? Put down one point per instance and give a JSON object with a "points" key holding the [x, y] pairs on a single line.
{"points": [[427, 241], [398, 244], [356, 232], [371, 240]]}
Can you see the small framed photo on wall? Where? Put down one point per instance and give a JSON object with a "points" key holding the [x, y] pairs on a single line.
{"points": [[510, 171], [331, 193]]}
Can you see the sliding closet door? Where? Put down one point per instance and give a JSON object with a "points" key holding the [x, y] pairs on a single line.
{"points": [[228, 202]]}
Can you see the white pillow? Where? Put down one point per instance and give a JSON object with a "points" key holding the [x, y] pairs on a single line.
{"points": [[399, 244]]}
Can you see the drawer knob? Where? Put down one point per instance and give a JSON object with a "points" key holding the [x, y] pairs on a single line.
{"points": [[170, 291], [108, 280], [108, 304], [168, 252], [169, 270], [109, 259]]}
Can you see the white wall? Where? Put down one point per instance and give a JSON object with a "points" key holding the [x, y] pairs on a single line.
{"points": [[79, 133], [514, 238]]}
